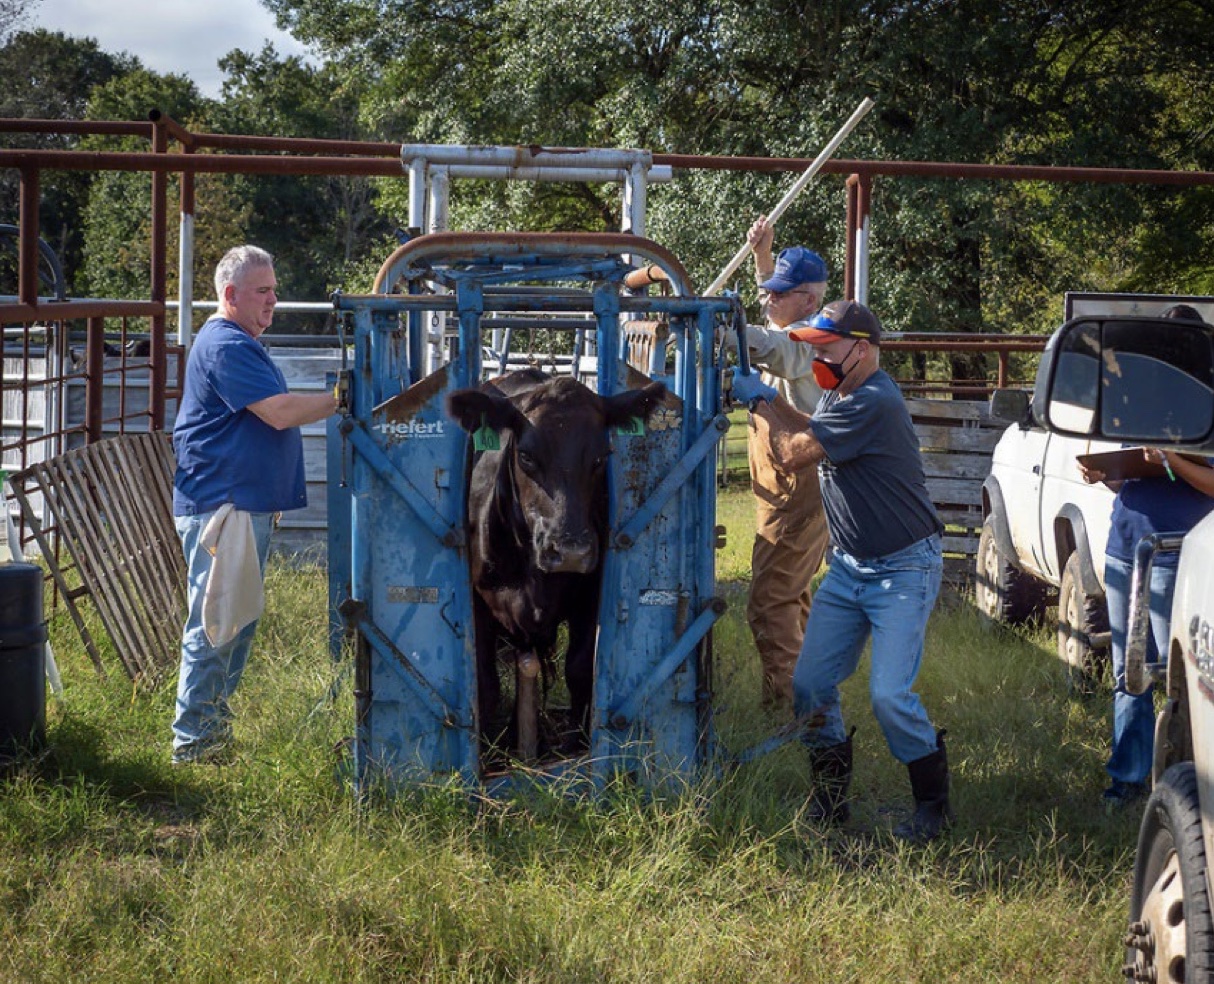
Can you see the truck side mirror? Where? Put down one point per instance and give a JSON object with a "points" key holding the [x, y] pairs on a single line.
{"points": [[1012, 405], [1147, 380]]}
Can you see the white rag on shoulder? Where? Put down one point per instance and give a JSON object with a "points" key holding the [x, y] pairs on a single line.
{"points": [[234, 596]]}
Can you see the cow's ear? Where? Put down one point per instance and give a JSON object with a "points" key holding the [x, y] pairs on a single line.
{"points": [[622, 407], [474, 409]]}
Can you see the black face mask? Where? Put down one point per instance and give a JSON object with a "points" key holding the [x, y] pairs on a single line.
{"points": [[829, 375]]}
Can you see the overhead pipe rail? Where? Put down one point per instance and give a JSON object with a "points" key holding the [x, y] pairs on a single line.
{"points": [[383, 159]]}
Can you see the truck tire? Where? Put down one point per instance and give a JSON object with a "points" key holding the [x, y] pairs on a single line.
{"points": [[1003, 591], [1080, 617], [1171, 934]]}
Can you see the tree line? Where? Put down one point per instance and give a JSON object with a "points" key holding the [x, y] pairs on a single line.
{"points": [[1101, 83]]}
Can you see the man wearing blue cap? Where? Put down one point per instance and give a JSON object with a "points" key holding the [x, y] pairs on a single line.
{"points": [[790, 530], [885, 567]]}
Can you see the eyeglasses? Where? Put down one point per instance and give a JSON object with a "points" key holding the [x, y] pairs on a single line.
{"points": [[775, 295]]}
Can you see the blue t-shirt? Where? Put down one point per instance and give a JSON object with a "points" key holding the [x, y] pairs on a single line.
{"points": [[873, 489], [225, 452], [1154, 505]]}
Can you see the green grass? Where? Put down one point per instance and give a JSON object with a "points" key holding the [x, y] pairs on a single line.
{"points": [[119, 867]]}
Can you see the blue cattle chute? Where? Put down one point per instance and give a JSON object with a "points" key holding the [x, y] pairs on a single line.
{"points": [[398, 473]]}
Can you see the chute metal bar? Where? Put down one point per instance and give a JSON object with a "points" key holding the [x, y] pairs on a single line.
{"points": [[364, 445], [620, 715], [628, 533], [412, 676]]}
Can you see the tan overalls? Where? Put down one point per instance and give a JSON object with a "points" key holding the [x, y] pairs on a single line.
{"points": [[790, 529]]}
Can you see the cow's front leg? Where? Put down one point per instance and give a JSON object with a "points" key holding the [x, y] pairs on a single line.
{"points": [[526, 704], [579, 678], [488, 684]]}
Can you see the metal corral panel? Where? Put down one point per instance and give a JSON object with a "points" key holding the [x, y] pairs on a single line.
{"points": [[111, 506], [410, 576], [650, 717]]}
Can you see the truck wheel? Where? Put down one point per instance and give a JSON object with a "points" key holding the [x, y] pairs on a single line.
{"points": [[1080, 617], [1171, 934], [1004, 592]]}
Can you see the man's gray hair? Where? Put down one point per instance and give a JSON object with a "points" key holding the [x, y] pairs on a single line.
{"points": [[236, 262]]}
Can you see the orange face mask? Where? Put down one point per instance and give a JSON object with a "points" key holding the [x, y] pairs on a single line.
{"points": [[829, 375]]}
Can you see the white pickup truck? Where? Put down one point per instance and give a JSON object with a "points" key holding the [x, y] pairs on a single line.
{"points": [[1043, 536], [1153, 383], [1044, 528]]}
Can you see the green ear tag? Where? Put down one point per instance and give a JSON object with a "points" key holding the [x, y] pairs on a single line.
{"points": [[634, 428], [485, 438]]}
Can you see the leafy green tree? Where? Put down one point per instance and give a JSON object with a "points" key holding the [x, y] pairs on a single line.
{"points": [[1028, 81], [13, 15], [117, 217], [317, 227], [47, 75]]}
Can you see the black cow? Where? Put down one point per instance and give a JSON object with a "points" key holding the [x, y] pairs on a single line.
{"points": [[537, 518]]}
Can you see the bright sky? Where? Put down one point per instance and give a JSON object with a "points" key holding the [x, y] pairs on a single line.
{"points": [[187, 37]]}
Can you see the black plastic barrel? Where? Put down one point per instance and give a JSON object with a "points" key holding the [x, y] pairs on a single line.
{"points": [[22, 662]]}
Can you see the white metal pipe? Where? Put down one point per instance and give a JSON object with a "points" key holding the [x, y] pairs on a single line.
{"points": [[525, 156], [660, 174], [861, 271], [54, 361], [633, 218], [315, 306], [439, 179], [417, 194], [185, 281], [810, 172], [635, 201], [440, 200]]}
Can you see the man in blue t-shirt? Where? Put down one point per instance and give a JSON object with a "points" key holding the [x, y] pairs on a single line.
{"points": [[885, 567], [237, 444]]}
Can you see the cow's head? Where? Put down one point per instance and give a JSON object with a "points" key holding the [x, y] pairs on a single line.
{"points": [[555, 441]]}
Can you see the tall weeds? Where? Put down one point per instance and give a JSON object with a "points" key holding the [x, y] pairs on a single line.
{"points": [[119, 867]]}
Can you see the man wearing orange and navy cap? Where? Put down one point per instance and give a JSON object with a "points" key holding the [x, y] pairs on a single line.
{"points": [[885, 566]]}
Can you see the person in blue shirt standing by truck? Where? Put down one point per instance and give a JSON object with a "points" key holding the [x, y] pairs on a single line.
{"points": [[1172, 503], [239, 458]]}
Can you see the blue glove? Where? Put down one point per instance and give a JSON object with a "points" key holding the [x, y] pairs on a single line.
{"points": [[748, 388]]}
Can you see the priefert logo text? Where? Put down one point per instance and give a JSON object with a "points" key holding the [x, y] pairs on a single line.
{"points": [[411, 428]]}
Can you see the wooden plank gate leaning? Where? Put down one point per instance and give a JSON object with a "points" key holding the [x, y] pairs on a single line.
{"points": [[956, 438], [110, 504]]}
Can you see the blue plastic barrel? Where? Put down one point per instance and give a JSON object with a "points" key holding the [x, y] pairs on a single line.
{"points": [[22, 662]]}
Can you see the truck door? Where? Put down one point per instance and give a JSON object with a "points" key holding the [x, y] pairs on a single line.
{"points": [[1022, 452], [1063, 490]]}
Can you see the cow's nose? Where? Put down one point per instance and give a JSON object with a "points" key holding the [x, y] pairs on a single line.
{"points": [[570, 555]]}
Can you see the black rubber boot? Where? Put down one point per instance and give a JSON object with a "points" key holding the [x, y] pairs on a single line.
{"points": [[929, 783], [832, 768]]}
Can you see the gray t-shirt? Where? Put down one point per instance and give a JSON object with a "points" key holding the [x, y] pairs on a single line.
{"points": [[873, 489]]}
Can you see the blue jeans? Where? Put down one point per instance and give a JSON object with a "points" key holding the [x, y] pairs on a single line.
{"points": [[888, 598], [1134, 715], [208, 675]]}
